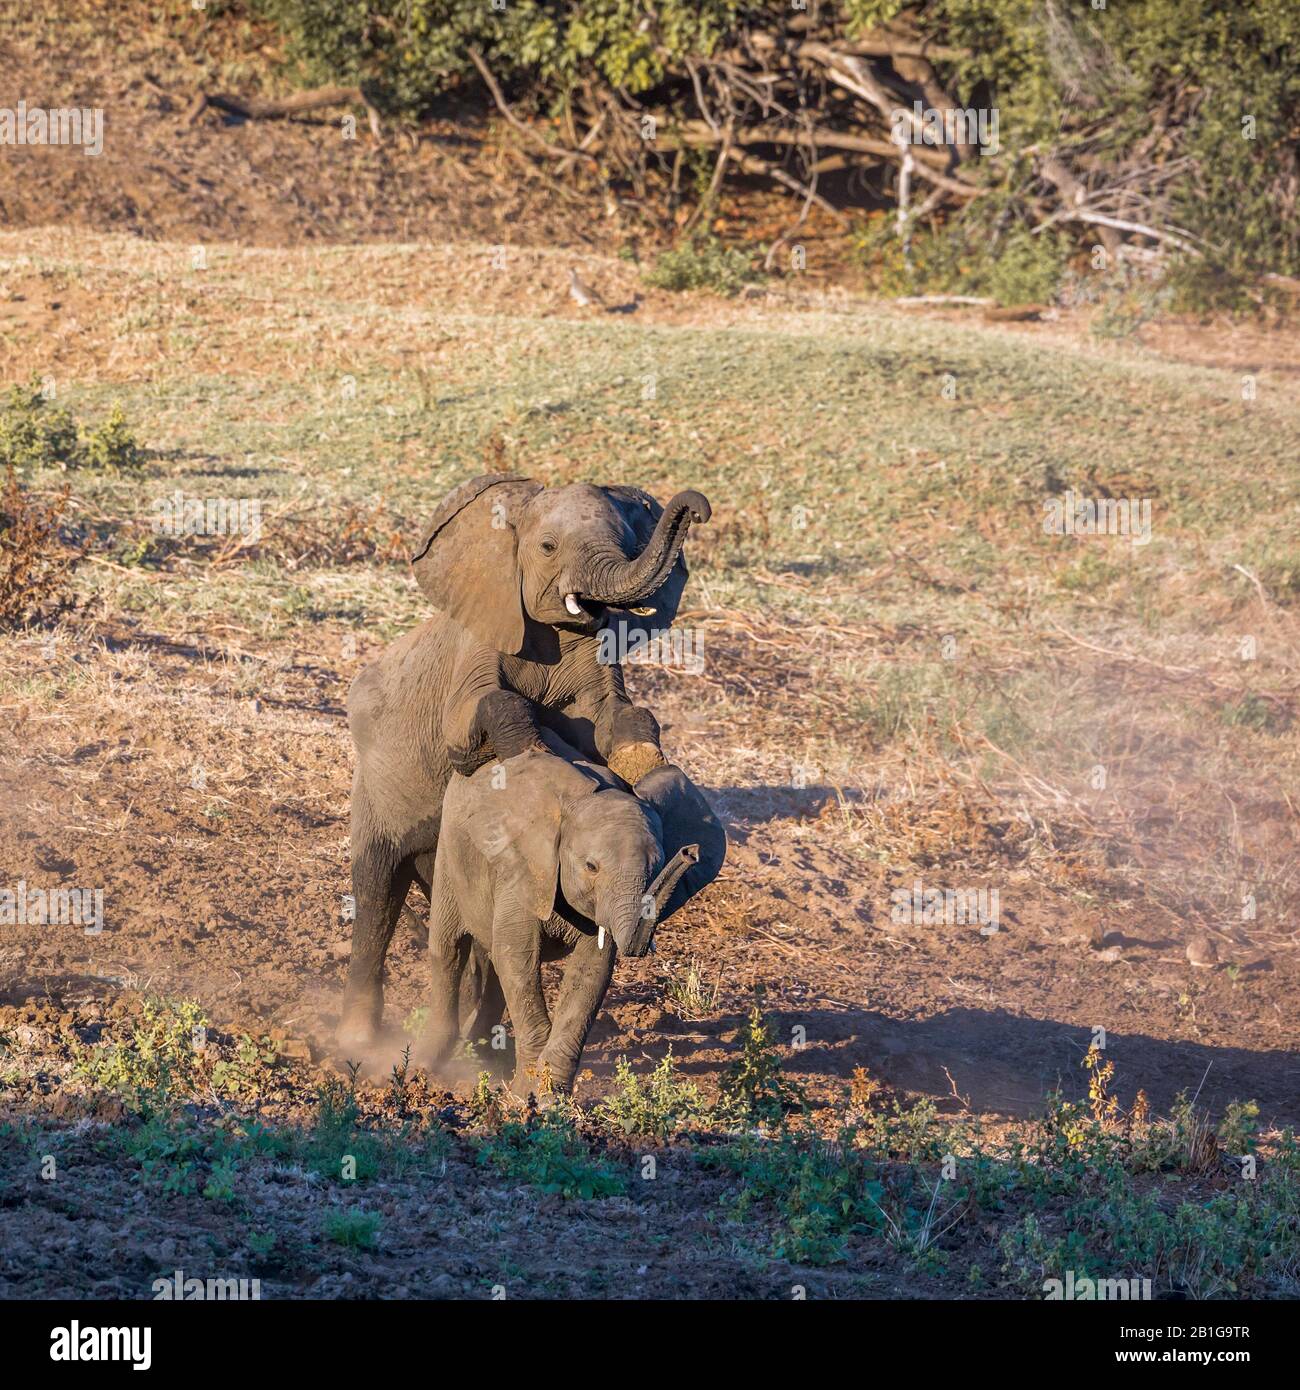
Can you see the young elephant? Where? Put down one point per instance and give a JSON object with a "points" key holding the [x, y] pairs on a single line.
{"points": [[527, 579], [542, 857]]}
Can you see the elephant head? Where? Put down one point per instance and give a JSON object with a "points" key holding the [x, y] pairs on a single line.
{"points": [[504, 554], [612, 870], [558, 829]]}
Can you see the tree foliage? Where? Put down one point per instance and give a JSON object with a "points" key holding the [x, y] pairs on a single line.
{"points": [[1178, 116]]}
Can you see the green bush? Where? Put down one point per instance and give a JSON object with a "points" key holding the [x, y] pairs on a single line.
{"points": [[659, 1106], [549, 1155], [702, 264], [35, 434], [754, 1089]]}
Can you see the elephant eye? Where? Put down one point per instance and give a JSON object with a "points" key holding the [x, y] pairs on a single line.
{"points": [[592, 868], [548, 547]]}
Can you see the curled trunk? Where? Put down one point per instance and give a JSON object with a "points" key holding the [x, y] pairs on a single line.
{"points": [[616, 581], [666, 880]]}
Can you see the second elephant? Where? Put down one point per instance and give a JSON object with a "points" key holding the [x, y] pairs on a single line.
{"points": [[544, 857]]}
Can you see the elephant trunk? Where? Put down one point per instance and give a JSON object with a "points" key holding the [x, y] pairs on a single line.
{"points": [[666, 880], [617, 582]]}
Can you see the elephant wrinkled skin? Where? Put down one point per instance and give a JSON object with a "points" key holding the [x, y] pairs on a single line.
{"points": [[526, 578], [544, 857]]}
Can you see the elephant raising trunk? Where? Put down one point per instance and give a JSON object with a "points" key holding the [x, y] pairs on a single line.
{"points": [[617, 582], [666, 879], [634, 937]]}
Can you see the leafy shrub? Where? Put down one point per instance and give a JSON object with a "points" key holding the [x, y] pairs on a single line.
{"points": [[658, 1106], [162, 1061], [1202, 1250], [34, 564], [702, 263], [111, 447], [549, 1155], [754, 1090], [411, 52], [35, 434]]}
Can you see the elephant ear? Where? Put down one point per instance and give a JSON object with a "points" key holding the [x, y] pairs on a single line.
{"points": [[514, 819], [687, 819], [642, 513], [466, 562]]}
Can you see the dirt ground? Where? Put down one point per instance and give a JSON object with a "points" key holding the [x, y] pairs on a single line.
{"points": [[196, 766]]}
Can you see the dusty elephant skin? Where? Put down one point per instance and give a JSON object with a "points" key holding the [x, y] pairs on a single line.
{"points": [[525, 578], [543, 857]]}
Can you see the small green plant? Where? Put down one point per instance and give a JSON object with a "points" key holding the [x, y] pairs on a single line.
{"points": [[754, 1090], [165, 1059], [354, 1228], [549, 1155], [111, 447], [702, 263], [35, 434], [245, 1074], [688, 995], [659, 1106], [1252, 711]]}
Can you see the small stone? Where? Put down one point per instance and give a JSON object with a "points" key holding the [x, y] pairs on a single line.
{"points": [[1202, 952]]}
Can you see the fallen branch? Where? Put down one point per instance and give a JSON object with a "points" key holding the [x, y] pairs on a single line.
{"points": [[1120, 225], [751, 164], [696, 133], [259, 109], [498, 96]]}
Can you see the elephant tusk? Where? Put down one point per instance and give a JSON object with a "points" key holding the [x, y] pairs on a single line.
{"points": [[600, 939], [572, 604]]}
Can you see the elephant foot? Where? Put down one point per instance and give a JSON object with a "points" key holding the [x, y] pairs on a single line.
{"points": [[559, 1076], [536, 1080], [359, 1027], [631, 761]]}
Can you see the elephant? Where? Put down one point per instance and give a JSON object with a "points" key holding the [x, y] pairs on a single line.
{"points": [[530, 583], [541, 857]]}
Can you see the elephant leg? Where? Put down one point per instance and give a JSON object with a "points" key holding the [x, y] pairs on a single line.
{"points": [[381, 878], [586, 978], [447, 954], [519, 968], [501, 724], [486, 1008]]}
